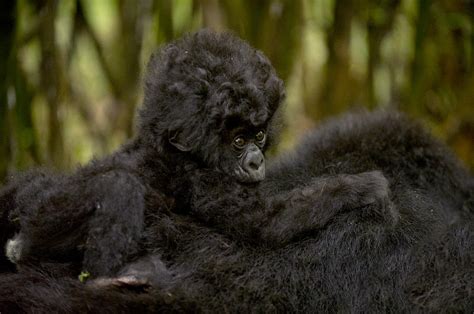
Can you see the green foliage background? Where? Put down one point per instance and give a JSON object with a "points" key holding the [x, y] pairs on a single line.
{"points": [[71, 70]]}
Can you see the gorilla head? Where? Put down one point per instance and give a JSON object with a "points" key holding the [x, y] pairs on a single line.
{"points": [[212, 97]]}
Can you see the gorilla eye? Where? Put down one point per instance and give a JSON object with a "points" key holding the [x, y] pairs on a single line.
{"points": [[260, 136], [239, 142]]}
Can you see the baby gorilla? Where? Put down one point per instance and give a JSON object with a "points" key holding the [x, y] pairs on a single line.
{"points": [[206, 122]]}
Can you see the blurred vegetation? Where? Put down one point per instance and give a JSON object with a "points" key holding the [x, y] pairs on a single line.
{"points": [[71, 70]]}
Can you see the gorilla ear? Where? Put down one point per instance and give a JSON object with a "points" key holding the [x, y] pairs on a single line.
{"points": [[179, 141]]}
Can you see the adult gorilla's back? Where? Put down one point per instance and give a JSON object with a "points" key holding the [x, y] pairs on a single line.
{"points": [[359, 262], [423, 261], [402, 149]]}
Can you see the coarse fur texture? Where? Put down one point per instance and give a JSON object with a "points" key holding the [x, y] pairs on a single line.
{"points": [[358, 263], [319, 233], [207, 98]]}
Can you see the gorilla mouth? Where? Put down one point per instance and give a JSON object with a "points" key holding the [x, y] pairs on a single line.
{"points": [[250, 176]]}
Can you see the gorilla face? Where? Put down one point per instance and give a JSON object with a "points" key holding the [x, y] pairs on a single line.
{"points": [[249, 162], [238, 153], [212, 96], [240, 147], [236, 147]]}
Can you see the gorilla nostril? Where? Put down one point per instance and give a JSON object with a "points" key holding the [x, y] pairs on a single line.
{"points": [[254, 166], [255, 163]]}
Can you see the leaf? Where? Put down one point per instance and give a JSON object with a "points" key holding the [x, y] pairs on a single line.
{"points": [[83, 276]]}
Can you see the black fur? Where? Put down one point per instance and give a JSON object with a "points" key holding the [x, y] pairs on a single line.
{"points": [[318, 234], [198, 91]]}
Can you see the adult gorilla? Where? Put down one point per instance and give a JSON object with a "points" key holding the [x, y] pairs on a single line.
{"points": [[330, 240], [209, 103]]}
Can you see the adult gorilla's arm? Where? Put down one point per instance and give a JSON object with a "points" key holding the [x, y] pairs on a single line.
{"points": [[246, 211], [36, 292]]}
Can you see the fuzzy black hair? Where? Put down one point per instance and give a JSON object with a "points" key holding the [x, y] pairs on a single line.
{"points": [[196, 83], [341, 244]]}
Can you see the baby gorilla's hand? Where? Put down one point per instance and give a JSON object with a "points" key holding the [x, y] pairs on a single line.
{"points": [[370, 187], [30, 208], [312, 207], [47, 221], [16, 248], [352, 190]]}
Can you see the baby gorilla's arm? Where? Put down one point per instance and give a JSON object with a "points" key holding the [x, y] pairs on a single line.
{"points": [[29, 184], [96, 216], [245, 212], [313, 206]]}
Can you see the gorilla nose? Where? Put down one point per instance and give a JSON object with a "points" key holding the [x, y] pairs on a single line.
{"points": [[254, 161], [254, 166]]}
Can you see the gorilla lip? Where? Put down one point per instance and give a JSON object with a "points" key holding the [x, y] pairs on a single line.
{"points": [[245, 177]]}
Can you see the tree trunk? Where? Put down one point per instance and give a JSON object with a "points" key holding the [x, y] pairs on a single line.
{"points": [[7, 34]]}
